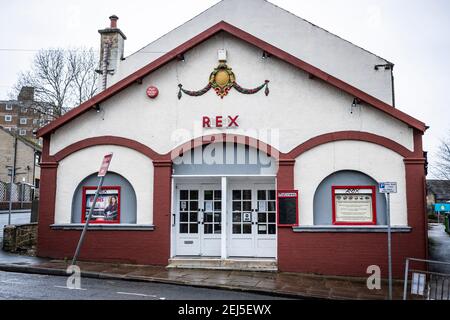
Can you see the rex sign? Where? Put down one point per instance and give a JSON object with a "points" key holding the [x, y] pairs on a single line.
{"points": [[220, 122]]}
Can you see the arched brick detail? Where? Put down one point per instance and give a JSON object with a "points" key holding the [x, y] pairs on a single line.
{"points": [[223, 137], [350, 135], [106, 140]]}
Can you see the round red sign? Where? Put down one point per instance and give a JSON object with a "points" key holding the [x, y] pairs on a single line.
{"points": [[152, 92]]}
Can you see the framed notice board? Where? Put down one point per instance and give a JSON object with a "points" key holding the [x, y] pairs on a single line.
{"points": [[287, 208]]}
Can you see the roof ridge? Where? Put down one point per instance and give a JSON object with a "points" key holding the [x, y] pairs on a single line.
{"points": [[327, 31], [274, 5], [176, 28]]}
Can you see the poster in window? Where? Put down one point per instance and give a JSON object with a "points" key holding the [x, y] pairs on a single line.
{"points": [[354, 205], [107, 206]]}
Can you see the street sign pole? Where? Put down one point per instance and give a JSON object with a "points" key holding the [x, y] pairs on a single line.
{"points": [[101, 173], [388, 188], [388, 217], [86, 224]]}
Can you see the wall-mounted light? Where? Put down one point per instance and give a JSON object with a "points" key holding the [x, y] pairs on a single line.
{"points": [[355, 103], [97, 108], [387, 66], [265, 55], [180, 57]]}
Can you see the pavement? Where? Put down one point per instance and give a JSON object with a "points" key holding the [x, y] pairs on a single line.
{"points": [[292, 285], [18, 286]]}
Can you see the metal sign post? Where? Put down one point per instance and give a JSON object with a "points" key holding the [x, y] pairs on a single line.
{"points": [[388, 188], [101, 173]]}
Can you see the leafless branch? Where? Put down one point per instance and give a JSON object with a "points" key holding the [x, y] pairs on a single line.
{"points": [[62, 79]]}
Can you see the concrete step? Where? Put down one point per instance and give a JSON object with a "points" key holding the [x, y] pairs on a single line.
{"points": [[243, 264]]}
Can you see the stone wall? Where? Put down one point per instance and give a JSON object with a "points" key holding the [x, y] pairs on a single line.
{"points": [[20, 238]]}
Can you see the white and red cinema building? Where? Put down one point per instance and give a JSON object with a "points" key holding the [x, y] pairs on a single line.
{"points": [[248, 138]]}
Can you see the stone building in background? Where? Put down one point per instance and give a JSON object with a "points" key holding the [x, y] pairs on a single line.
{"points": [[24, 155], [22, 116], [27, 156]]}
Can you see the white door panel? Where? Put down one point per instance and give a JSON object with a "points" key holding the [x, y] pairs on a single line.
{"points": [[252, 221], [198, 220]]}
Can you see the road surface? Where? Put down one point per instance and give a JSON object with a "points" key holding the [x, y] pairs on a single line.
{"points": [[439, 247], [43, 287]]}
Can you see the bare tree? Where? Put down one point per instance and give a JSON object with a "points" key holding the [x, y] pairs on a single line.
{"points": [[85, 78], [62, 79], [441, 168]]}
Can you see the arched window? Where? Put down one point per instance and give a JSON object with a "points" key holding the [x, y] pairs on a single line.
{"points": [[121, 209], [349, 197]]}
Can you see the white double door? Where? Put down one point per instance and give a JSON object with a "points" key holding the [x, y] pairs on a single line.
{"points": [[250, 220], [251, 217]]}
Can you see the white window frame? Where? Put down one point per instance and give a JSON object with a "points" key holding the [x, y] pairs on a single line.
{"points": [[23, 120], [8, 118], [8, 107], [22, 132]]}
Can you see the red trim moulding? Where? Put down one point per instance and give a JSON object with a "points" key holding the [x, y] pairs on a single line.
{"points": [[83, 207], [240, 34], [296, 208], [374, 206]]}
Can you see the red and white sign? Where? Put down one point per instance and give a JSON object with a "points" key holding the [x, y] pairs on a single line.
{"points": [[105, 165], [354, 205], [220, 122], [152, 92]]}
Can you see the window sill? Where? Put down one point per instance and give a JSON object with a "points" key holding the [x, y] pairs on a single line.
{"points": [[363, 229], [106, 227]]}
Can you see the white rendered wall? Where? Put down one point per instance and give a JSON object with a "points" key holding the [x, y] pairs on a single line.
{"points": [[282, 29], [77, 166], [296, 109], [316, 164]]}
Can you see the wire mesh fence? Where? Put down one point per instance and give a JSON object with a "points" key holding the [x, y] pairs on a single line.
{"points": [[20, 194]]}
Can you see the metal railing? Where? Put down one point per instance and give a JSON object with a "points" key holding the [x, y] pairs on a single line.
{"points": [[431, 281]]}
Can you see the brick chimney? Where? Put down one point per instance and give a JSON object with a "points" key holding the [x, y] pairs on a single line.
{"points": [[111, 50], [26, 94]]}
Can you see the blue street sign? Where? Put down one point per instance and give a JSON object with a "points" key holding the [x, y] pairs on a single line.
{"points": [[442, 207]]}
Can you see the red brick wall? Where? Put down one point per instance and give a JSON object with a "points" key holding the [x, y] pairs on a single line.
{"points": [[139, 247]]}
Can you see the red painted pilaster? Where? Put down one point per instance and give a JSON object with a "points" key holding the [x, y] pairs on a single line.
{"points": [[161, 210], [416, 204], [47, 199], [285, 181]]}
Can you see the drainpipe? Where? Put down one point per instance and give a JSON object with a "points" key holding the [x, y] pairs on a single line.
{"points": [[392, 85]]}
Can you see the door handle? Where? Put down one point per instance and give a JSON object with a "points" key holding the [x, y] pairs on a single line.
{"points": [[174, 219]]}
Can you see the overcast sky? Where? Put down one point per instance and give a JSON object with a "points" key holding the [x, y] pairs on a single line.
{"points": [[413, 34]]}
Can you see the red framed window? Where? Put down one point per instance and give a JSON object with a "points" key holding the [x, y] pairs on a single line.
{"points": [[287, 208], [107, 207], [354, 205]]}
